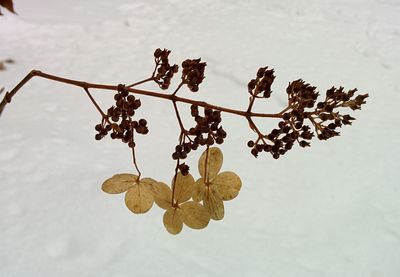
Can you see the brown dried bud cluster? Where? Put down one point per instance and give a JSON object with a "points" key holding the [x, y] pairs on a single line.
{"points": [[325, 118], [184, 169], [119, 119], [164, 71], [301, 95], [262, 84], [281, 139], [206, 132], [340, 97], [193, 73]]}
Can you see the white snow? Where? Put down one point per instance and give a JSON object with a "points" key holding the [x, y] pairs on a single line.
{"points": [[331, 210]]}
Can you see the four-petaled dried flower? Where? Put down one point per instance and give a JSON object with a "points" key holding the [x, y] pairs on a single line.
{"points": [[139, 192], [213, 187], [179, 210]]}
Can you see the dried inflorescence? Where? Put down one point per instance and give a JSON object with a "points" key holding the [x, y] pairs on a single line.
{"points": [[193, 73], [327, 119], [163, 72], [119, 119], [186, 201], [206, 132], [302, 113], [195, 203], [214, 187], [262, 84]]}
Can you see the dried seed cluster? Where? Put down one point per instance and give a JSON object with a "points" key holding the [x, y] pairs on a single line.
{"points": [[262, 84], [281, 139], [302, 98], [301, 95], [327, 120], [191, 202], [164, 71], [206, 132], [193, 73], [186, 201], [119, 119], [184, 169]]}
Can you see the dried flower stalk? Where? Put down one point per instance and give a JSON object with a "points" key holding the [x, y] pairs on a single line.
{"points": [[186, 201]]}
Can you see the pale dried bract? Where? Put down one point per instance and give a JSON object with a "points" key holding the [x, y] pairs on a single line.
{"points": [[139, 192], [173, 221], [214, 187]]}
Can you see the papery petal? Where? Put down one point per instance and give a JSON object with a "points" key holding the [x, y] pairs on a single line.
{"points": [[195, 215], [148, 181], [139, 199], [173, 220], [198, 190], [119, 183], [147, 184], [213, 203], [183, 187], [214, 163], [162, 195], [228, 184]]}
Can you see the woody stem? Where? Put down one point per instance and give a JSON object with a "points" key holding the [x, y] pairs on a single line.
{"points": [[172, 97]]}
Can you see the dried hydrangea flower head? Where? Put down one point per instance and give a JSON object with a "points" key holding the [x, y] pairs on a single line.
{"points": [[187, 201], [179, 210], [139, 192], [214, 187]]}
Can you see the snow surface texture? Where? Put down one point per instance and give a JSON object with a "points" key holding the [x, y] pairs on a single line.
{"points": [[330, 210]]}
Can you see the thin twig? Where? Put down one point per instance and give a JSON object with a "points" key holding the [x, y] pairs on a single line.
{"points": [[181, 138], [254, 127], [183, 130], [206, 179], [141, 82], [176, 90], [134, 157]]}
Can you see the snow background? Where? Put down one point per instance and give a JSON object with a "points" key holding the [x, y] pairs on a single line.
{"points": [[330, 210]]}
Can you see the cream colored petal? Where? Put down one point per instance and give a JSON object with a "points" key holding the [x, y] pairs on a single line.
{"points": [[214, 163], [162, 195], [195, 215], [228, 184], [213, 203], [198, 190], [119, 183], [148, 181], [138, 199], [173, 220], [183, 187]]}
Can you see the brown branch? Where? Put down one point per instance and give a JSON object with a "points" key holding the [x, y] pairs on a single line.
{"points": [[9, 95]]}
